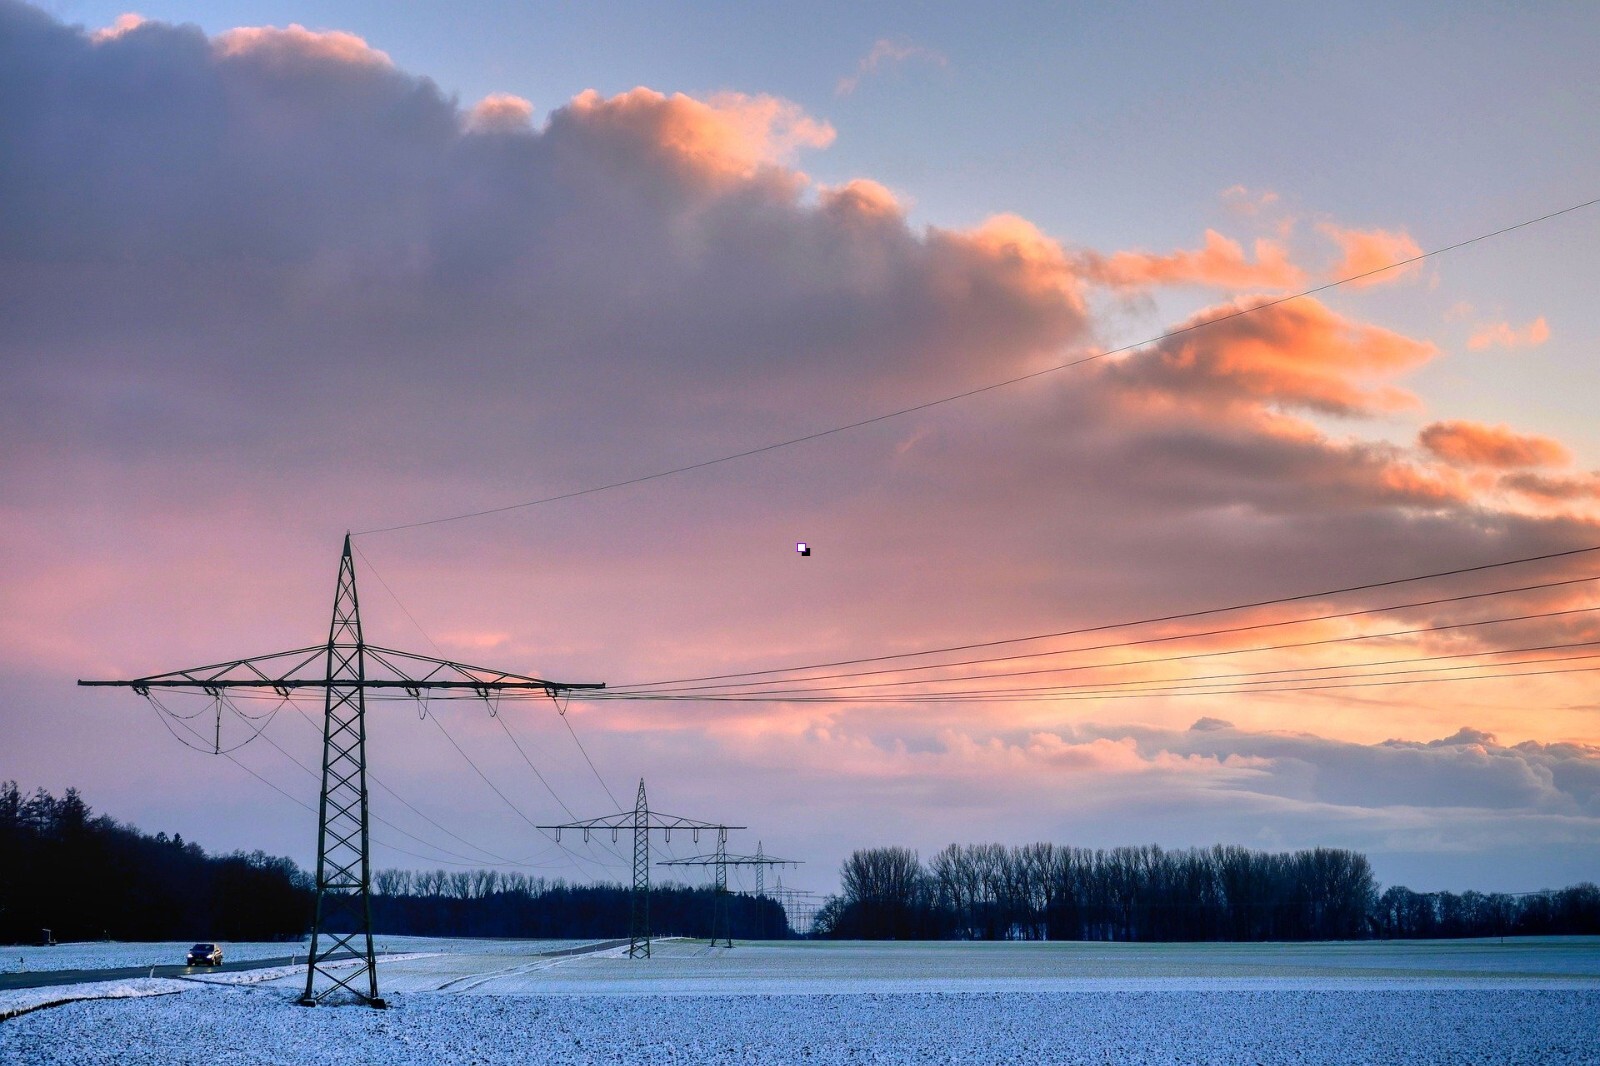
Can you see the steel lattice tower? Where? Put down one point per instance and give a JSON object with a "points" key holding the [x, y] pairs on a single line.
{"points": [[344, 867], [721, 923], [342, 925], [639, 908], [643, 822]]}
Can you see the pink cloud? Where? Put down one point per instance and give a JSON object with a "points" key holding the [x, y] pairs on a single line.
{"points": [[125, 24], [1502, 335], [1473, 444], [445, 320], [1220, 262], [500, 113], [1553, 489], [730, 134], [1249, 202], [1298, 354], [861, 198], [295, 45], [1368, 250], [885, 52], [1018, 251]]}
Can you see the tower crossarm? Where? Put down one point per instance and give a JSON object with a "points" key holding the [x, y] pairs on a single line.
{"points": [[625, 820], [729, 860], [301, 668]]}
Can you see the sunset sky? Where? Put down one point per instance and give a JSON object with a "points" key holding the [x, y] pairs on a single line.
{"points": [[276, 271]]}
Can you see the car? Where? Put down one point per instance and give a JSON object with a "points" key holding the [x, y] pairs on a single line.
{"points": [[205, 955]]}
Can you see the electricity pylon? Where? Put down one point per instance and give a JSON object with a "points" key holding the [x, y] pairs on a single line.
{"points": [[643, 821], [720, 860], [799, 907], [343, 921]]}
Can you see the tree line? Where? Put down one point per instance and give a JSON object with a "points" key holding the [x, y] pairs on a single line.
{"points": [[488, 903], [1052, 892], [85, 877], [88, 877]]}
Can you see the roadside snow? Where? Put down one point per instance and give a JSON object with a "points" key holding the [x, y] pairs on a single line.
{"points": [[280, 973], [113, 954], [22, 1000]]}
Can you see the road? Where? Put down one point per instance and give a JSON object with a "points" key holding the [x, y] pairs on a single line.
{"points": [[47, 978]]}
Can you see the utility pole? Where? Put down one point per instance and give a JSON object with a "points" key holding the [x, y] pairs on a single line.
{"points": [[720, 861], [343, 922], [643, 821]]}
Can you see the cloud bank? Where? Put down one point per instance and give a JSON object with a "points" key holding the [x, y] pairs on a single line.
{"points": [[264, 287]]}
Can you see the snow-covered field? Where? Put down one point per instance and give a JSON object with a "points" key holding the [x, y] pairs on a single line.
{"points": [[101, 955], [494, 1002]]}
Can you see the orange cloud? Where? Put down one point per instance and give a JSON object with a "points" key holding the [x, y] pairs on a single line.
{"points": [[1552, 489], [1296, 354], [861, 198], [887, 51], [296, 44], [1220, 262], [1246, 201], [730, 134], [125, 24], [1473, 444], [1026, 257], [500, 113], [1366, 251], [1502, 335]]}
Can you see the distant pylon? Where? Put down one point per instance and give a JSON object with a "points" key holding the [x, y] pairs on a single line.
{"points": [[719, 903], [720, 861], [643, 822]]}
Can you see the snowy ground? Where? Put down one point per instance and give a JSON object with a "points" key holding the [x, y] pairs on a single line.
{"points": [[100, 955], [1468, 1002]]}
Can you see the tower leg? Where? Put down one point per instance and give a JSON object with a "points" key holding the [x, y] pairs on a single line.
{"points": [[639, 924], [343, 922], [719, 912]]}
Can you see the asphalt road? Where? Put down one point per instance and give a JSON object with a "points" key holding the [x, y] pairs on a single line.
{"points": [[47, 978]]}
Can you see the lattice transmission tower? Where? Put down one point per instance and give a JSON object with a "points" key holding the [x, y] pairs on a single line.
{"points": [[642, 821], [799, 907], [720, 860], [350, 668]]}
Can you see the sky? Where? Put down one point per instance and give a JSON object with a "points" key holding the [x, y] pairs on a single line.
{"points": [[272, 272]]}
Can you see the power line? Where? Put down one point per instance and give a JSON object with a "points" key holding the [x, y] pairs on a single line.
{"points": [[1115, 663], [980, 390], [876, 692], [501, 860], [1241, 677], [413, 809], [299, 802], [1240, 682], [1128, 624], [503, 725], [1032, 696]]}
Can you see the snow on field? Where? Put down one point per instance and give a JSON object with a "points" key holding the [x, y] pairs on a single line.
{"points": [[291, 974], [109, 954], [19, 1000], [253, 1026], [1533, 1002]]}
